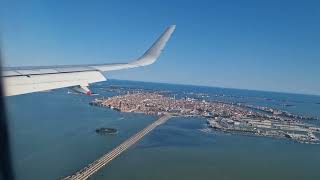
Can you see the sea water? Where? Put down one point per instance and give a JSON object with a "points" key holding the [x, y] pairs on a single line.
{"points": [[53, 136]]}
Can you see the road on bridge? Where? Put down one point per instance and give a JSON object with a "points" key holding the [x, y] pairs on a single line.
{"points": [[92, 168]]}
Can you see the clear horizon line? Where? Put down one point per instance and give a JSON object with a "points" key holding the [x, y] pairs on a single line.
{"points": [[270, 91]]}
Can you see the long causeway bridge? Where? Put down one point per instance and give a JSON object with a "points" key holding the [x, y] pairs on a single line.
{"points": [[92, 168]]}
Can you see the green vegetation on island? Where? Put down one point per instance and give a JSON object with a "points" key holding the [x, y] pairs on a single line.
{"points": [[104, 131]]}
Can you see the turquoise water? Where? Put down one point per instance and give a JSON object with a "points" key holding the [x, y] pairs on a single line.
{"points": [[53, 136]]}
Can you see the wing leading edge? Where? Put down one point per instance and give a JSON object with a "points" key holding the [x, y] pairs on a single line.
{"points": [[25, 80]]}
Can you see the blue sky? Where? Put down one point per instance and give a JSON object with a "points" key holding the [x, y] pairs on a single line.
{"points": [[262, 45]]}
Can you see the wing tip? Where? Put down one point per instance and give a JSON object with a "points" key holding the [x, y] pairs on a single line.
{"points": [[153, 53], [172, 26]]}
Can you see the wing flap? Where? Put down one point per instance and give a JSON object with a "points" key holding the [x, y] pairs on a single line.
{"points": [[16, 85]]}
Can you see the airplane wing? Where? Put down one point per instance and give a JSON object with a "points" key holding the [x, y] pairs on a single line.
{"points": [[25, 80]]}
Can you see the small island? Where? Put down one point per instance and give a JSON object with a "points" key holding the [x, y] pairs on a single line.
{"points": [[106, 131]]}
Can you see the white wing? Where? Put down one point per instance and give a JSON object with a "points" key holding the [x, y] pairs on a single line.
{"points": [[33, 79]]}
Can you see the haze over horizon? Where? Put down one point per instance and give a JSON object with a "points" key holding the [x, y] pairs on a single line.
{"points": [[266, 45]]}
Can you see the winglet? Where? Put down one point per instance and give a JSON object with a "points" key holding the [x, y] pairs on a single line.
{"points": [[149, 57], [152, 54]]}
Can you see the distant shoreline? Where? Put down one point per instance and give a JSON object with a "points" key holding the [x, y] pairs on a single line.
{"points": [[219, 87]]}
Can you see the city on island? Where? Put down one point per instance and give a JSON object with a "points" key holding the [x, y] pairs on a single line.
{"points": [[227, 117]]}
